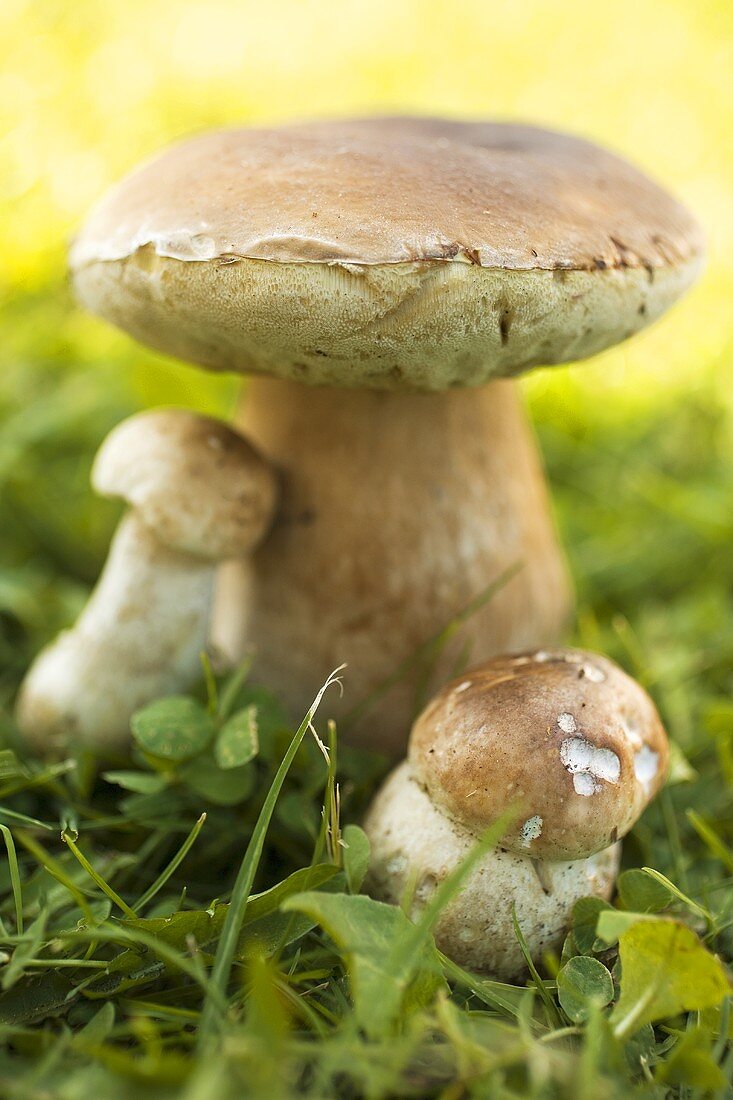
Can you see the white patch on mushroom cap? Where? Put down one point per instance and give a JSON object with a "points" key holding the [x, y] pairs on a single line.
{"points": [[586, 764], [631, 730], [531, 829], [567, 723], [462, 687], [585, 784], [646, 765], [589, 671]]}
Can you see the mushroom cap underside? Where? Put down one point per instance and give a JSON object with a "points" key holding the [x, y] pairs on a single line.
{"points": [[387, 253]]}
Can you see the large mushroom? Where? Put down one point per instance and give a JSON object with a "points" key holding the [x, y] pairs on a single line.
{"points": [[198, 495], [564, 736], [380, 281]]}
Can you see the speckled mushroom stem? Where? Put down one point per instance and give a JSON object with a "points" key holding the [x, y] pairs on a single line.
{"points": [[398, 509]]}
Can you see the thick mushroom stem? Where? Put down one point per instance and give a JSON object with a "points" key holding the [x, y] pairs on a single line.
{"points": [[140, 636], [398, 510], [200, 495]]}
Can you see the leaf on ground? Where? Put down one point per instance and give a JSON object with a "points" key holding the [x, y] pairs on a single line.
{"points": [[393, 963], [220, 786], [139, 782], [582, 983], [270, 929], [237, 742], [35, 997], [665, 970], [612, 923], [641, 893], [175, 728], [586, 912], [367, 931]]}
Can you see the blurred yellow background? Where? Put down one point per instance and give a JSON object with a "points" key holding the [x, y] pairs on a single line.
{"points": [[639, 443], [89, 87]]}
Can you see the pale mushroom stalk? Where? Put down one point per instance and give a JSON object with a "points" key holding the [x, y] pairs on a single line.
{"points": [[199, 494], [140, 636]]}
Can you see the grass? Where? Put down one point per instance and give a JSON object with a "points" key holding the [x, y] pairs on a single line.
{"points": [[190, 925], [639, 447]]}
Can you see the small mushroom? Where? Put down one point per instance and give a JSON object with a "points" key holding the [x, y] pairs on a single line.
{"points": [[414, 846], [564, 735], [199, 494], [564, 732]]}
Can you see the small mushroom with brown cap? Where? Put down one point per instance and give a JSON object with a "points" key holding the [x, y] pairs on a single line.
{"points": [[566, 733], [566, 736], [199, 494], [384, 281]]}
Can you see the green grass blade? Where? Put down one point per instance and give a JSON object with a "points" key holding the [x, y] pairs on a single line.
{"points": [[54, 868], [120, 935], [550, 1008], [240, 894], [680, 895], [24, 819], [496, 995], [14, 877], [711, 839], [97, 878], [230, 690], [212, 691], [178, 858]]}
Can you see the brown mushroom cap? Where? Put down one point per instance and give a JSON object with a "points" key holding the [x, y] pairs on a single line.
{"points": [[389, 253], [196, 483], [566, 733]]}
